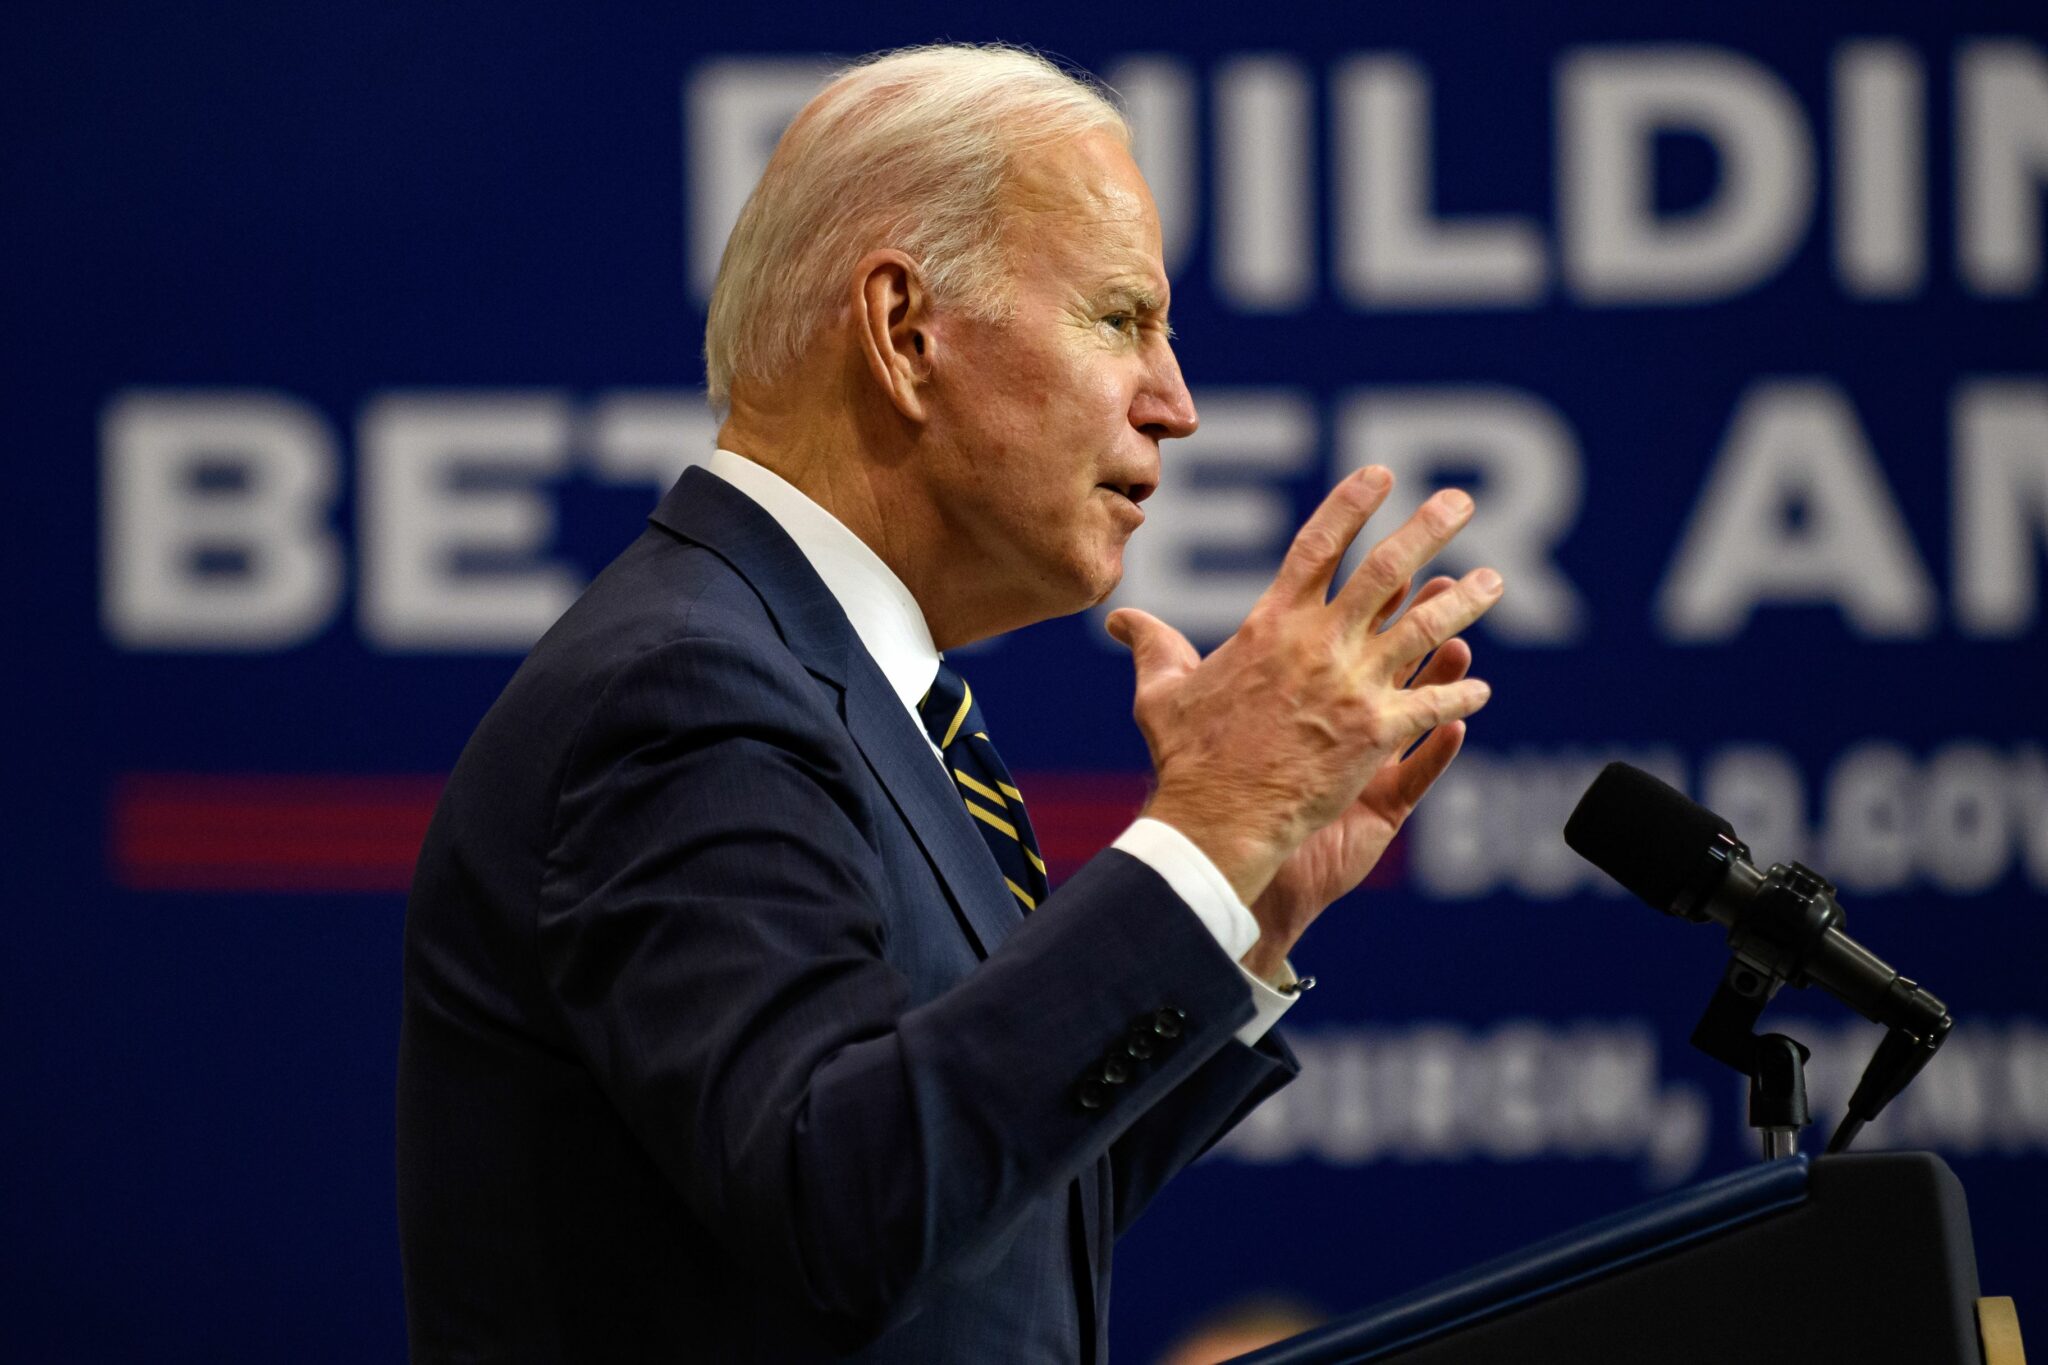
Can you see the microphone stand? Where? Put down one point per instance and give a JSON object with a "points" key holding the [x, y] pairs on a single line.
{"points": [[1772, 941], [1774, 1062]]}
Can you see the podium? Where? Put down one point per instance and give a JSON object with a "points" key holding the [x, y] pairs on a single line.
{"points": [[1863, 1258]]}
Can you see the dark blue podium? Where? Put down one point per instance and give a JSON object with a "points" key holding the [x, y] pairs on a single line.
{"points": [[1863, 1258]]}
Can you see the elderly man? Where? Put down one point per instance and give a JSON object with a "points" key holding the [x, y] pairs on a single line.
{"points": [[739, 1022]]}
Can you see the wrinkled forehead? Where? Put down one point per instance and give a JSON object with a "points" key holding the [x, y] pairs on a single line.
{"points": [[1084, 203]]}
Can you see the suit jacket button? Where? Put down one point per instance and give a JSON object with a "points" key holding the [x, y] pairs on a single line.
{"points": [[1115, 1069], [1139, 1047], [1091, 1093], [1167, 1023]]}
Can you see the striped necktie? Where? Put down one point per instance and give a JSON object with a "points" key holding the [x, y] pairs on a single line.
{"points": [[953, 720]]}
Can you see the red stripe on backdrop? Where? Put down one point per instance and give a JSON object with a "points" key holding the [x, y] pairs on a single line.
{"points": [[1075, 815], [266, 832]]}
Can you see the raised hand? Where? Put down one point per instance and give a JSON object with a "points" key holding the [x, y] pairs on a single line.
{"points": [[1332, 862], [1279, 754]]}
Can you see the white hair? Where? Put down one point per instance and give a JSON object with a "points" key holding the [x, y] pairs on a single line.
{"points": [[909, 149]]}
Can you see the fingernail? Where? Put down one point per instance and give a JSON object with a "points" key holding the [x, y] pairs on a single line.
{"points": [[1375, 476], [1487, 580], [1458, 500]]}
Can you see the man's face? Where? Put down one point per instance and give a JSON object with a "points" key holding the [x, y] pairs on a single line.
{"points": [[1046, 426]]}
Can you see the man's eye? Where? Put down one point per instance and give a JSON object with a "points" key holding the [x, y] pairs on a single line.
{"points": [[1121, 322]]}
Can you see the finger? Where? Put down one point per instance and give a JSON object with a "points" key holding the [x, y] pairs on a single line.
{"points": [[1394, 560], [1447, 665], [1426, 708], [1435, 587], [1157, 649], [1420, 770], [1437, 620], [1320, 544]]}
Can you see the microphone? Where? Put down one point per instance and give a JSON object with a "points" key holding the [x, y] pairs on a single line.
{"points": [[1784, 924], [1685, 860]]}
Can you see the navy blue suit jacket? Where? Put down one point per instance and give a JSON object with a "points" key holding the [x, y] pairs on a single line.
{"points": [[723, 1039]]}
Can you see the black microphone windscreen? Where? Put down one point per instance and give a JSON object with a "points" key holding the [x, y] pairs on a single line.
{"points": [[1645, 834]]}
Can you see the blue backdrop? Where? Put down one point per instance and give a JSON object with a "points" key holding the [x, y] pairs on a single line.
{"points": [[345, 343]]}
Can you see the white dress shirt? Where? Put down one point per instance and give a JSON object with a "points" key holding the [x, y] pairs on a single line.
{"points": [[892, 628]]}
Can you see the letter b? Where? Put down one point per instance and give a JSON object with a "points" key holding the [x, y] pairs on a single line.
{"points": [[214, 524]]}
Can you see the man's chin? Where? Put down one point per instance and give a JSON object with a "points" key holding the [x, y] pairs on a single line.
{"points": [[1087, 587], [1105, 582]]}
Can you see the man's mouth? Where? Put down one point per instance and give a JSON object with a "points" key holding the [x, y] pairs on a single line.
{"points": [[1135, 492]]}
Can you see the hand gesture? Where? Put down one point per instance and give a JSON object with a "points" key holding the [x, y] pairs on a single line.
{"points": [[1280, 754]]}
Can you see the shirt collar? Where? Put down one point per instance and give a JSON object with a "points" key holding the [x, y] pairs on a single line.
{"points": [[890, 624]]}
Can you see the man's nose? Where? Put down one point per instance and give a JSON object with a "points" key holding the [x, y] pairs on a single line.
{"points": [[1163, 407]]}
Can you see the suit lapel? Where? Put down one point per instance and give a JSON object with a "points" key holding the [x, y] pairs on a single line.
{"points": [[703, 508], [896, 750]]}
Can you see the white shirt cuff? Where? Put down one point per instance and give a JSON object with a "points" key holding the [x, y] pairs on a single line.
{"points": [[1207, 892]]}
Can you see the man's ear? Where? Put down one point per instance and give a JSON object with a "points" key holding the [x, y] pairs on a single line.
{"points": [[892, 318]]}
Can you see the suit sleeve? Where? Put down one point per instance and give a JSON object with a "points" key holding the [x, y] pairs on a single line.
{"points": [[712, 933], [1193, 1118]]}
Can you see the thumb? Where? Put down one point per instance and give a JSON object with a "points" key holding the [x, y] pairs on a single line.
{"points": [[1155, 646]]}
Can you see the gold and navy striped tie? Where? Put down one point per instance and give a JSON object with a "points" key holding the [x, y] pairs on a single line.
{"points": [[954, 722]]}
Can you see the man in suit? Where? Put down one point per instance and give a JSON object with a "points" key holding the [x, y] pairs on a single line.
{"points": [[739, 1022]]}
